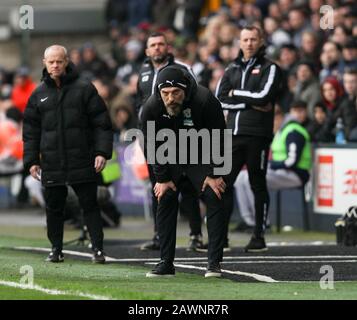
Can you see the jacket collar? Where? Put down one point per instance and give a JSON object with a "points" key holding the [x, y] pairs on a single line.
{"points": [[70, 75], [259, 55]]}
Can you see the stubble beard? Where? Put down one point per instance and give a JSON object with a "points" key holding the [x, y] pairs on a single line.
{"points": [[173, 109]]}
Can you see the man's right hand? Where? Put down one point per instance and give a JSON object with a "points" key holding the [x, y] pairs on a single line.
{"points": [[35, 172], [161, 188]]}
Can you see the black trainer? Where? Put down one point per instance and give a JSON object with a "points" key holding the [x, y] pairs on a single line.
{"points": [[154, 244], [256, 245], [55, 256], [98, 257], [213, 271], [195, 243], [162, 269]]}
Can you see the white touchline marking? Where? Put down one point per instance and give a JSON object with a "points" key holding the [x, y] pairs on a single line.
{"points": [[293, 244], [292, 261], [52, 291], [258, 277]]}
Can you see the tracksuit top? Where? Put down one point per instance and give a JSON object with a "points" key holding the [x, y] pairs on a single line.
{"points": [[255, 82]]}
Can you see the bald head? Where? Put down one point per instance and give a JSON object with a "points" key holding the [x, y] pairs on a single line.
{"points": [[55, 60]]}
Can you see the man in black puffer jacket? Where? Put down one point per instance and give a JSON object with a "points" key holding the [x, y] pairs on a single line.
{"points": [[67, 137]]}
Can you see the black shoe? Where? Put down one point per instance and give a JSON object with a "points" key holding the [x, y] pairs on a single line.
{"points": [[213, 271], [162, 269], [256, 245], [55, 256], [243, 227], [98, 257], [195, 243]]}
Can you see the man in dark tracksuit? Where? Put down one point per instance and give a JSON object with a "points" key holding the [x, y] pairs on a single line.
{"points": [[159, 58], [179, 105], [67, 137], [247, 91]]}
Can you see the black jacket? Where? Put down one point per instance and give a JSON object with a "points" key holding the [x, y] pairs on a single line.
{"points": [[254, 83], [200, 110], [148, 75], [65, 129]]}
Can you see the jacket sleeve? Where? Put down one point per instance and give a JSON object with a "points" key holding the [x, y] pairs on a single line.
{"points": [[295, 143], [100, 123], [269, 86], [214, 119], [31, 134], [224, 86], [161, 171]]}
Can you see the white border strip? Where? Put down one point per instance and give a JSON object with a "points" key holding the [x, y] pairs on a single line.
{"points": [[54, 292], [258, 277]]}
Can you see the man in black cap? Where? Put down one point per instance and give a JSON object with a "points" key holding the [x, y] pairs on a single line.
{"points": [[178, 105]]}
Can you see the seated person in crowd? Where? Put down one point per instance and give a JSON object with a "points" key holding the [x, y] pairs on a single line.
{"points": [[321, 128]]}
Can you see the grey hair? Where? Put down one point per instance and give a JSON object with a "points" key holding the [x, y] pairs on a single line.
{"points": [[56, 46]]}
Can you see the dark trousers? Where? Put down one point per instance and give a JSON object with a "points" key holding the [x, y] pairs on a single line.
{"points": [[55, 198], [189, 204], [168, 208], [252, 151]]}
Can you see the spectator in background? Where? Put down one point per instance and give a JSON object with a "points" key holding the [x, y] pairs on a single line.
{"points": [[340, 35], [22, 89], [187, 16], [349, 104], [329, 57], [138, 11], [163, 12], [332, 94], [299, 24], [320, 129], [349, 57], [11, 145], [276, 36], [116, 12], [92, 65], [307, 87], [310, 48], [133, 56], [75, 56], [288, 59]]}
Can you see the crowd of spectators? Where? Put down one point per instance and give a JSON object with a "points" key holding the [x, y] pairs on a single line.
{"points": [[319, 63]]}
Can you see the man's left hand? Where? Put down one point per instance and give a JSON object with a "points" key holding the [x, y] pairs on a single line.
{"points": [[99, 163]]}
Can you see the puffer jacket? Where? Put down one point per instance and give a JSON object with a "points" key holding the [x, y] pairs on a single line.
{"points": [[65, 129]]}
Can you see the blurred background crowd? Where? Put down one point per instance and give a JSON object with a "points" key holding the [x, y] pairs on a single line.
{"points": [[319, 63]]}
